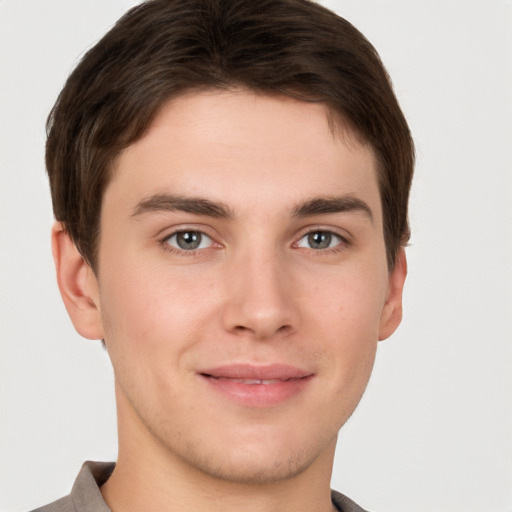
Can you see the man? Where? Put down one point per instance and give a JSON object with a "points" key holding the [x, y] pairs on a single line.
{"points": [[230, 184]]}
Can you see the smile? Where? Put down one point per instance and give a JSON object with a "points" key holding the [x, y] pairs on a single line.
{"points": [[251, 382], [257, 386]]}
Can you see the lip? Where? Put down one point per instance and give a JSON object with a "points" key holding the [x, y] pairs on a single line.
{"points": [[257, 385]]}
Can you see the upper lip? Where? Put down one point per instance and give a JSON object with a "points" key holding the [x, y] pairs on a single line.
{"points": [[257, 372]]}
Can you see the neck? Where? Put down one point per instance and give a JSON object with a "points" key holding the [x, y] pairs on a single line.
{"points": [[134, 487], [149, 477]]}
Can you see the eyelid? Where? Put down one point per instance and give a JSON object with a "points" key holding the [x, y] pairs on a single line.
{"points": [[170, 230], [164, 235], [176, 233], [345, 239]]}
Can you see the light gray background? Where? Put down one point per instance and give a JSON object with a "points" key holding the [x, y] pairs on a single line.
{"points": [[434, 431]]}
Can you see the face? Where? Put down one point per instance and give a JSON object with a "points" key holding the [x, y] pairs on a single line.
{"points": [[242, 284]]}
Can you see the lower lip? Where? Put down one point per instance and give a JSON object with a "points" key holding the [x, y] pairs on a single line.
{"points": [[258, 395]]}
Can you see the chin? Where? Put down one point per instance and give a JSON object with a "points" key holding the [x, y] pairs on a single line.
{"points": [[258, 461], [244, 467]]}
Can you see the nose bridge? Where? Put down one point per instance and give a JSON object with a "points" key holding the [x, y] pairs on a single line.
{"points": [[259, 296]]}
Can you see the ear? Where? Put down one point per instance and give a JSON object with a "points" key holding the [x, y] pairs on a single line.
{"points": [[77, 284], [392, 311]]}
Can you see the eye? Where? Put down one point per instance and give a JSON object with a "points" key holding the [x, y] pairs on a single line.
{"points": [[188, 240], [319, 240]]}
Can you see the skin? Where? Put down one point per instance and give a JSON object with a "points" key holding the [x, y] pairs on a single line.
{"points": [[256, 292]]}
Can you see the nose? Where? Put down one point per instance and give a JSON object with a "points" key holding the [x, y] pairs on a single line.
{"points": [[260, 297]]}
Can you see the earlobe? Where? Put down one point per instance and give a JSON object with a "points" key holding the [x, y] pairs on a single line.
{"points": [[77, 284], [392, 311]]}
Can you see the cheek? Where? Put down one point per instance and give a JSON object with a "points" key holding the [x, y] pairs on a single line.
{"points": [[348, 302], [152, 320], [146, 305], [347, 317]]}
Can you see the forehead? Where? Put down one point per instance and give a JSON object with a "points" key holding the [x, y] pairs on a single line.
{"points": [[243, 147]]}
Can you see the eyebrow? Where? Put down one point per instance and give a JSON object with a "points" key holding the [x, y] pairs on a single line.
{"points": [[201, 206], [171, 203], [334, 204]]}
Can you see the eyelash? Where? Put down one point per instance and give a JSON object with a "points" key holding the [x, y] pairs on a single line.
{"points": [[164, 242], [343, 244]]}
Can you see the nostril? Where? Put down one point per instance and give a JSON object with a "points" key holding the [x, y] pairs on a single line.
{"points": [[261, 332]]}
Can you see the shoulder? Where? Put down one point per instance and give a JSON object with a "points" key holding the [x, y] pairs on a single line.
{"points": [[85, 495], [63, 505], [344, 504]]}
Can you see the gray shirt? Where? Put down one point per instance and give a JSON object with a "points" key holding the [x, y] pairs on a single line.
{"points": [[86, 496]]}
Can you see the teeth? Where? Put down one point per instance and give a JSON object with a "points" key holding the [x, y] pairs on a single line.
{"points": [[265, 382], [256, 381]]}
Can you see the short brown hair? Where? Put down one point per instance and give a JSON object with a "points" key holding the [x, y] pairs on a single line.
{"points": [[164, 48]]}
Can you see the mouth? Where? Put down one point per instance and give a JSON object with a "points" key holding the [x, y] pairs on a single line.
{"points": [[250, 382], [257, 386]]}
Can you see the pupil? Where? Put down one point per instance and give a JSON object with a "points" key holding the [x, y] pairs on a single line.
{"points": [[189, 239], [319, 240]]}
